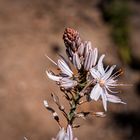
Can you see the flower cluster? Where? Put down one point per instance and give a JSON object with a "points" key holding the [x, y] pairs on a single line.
{"points": [[90, 70], [82, 74]]}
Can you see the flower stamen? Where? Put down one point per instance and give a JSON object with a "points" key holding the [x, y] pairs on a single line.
{"points": [[102, 82]]}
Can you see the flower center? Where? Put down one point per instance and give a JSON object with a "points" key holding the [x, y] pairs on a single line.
{"points": [[102, 82]]}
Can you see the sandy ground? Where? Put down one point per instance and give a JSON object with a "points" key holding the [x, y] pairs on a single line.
{"points": [[30, 29]]}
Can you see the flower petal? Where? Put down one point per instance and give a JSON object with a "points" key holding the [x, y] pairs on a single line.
{"points": [[114, 99], [104, 99], [109, 72], [64, 67], [95, 73], [53, 77], [96, 92], [100, 65]]}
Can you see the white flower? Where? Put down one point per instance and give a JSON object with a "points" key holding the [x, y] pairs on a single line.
{"points": [[65, 77], [62, 135], [104, 83]]}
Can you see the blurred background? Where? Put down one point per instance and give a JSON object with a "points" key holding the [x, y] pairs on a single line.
{"points": [[30, 29]]}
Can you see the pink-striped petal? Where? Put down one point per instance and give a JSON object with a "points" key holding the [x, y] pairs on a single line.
{"points": [[104, 99], [108, 73], [96, 92], [100, 65], [114, 99], [64, 67], [53, 77], [95, 73]]}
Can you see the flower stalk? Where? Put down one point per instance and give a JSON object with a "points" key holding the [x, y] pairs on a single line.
{"points": [[71, 115]]}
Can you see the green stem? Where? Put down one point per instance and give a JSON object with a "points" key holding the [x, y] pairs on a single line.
{"points": [[71, 115], [75, 101]]}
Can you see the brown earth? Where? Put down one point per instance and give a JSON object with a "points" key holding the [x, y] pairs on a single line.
{"points": [[30, 29]]}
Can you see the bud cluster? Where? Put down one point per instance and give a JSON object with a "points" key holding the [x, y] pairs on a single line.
{"points": [[83, 74]]}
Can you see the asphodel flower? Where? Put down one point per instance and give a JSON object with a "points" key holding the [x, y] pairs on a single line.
{"points": [[65, 77], [89, 79], [65, 135], [104, 84]]}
